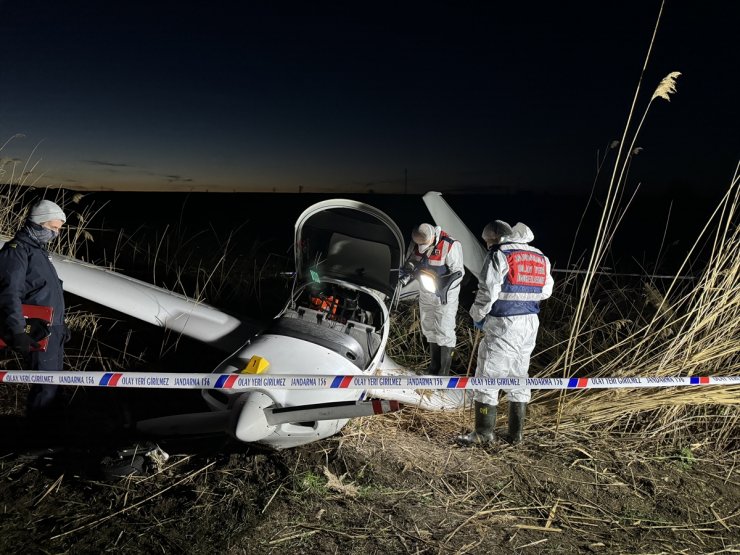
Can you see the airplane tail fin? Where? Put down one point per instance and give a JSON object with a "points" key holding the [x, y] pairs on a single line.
{"points": [[473, 252]]}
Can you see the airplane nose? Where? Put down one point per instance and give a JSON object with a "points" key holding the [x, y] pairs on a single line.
{"points": [[249, 421]]}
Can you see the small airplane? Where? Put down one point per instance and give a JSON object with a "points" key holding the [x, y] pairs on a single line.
{"points": [[336, 322]]}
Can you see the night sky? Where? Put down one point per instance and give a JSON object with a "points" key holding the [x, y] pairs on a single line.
{"points": [[363, 96]]}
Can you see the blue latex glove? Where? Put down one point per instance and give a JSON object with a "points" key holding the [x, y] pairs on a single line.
{"points": [[479, 325]]}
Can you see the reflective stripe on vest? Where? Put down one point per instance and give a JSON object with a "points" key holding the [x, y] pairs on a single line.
{"points": [[437, 260], [521, 291]]}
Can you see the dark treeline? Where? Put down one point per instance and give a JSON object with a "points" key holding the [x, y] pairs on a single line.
{"points": [[654, 234]]}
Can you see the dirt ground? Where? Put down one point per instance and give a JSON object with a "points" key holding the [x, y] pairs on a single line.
{"points": [[390, 484]]}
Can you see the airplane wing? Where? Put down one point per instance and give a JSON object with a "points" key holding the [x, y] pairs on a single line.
{"points": [[429, 399], [164, 308], [473, 251], [151, 304]]}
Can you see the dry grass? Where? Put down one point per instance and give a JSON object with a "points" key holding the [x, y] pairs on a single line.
{"points": [[693, 328], [550, 484], [396, 484], [632, 328]]}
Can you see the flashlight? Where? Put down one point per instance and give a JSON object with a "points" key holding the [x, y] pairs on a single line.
{"points": [[428, 281]]}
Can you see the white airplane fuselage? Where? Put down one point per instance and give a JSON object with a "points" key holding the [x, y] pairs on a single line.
{"points": [[301, 341], [336, 322]]}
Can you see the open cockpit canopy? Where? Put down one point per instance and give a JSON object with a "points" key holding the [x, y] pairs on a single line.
{"points": [[349, 241]]}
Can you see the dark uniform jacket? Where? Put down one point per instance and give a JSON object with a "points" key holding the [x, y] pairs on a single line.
{"points": [[27, 277]]}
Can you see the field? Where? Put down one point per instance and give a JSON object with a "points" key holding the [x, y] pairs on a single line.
{"points": [[649, 471], [392, 484], [603, 471]]}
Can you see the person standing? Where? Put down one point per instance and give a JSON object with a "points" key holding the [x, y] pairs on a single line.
{"points": [[433, 249], [27, 276], [514, 279]]}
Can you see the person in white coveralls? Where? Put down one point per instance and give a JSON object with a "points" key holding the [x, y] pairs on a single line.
{"points": [[514, 279], [433, 250]]}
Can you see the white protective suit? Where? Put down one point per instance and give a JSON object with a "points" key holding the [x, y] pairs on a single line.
{"points": [[509, 340], [437, 319]]}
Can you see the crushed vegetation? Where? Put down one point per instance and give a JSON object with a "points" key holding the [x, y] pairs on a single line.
{"points": [[391, 484]]}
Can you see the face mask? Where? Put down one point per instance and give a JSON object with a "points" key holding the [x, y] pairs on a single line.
{"points": [[41, 234]]}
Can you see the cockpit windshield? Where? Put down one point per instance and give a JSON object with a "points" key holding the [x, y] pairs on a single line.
{"points": [[349, 241]]}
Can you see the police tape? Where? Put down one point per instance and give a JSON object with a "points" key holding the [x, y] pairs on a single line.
{"points": [[232, 381]]}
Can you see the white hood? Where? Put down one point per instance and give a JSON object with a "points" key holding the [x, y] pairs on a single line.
{"points": [[520, 234]]}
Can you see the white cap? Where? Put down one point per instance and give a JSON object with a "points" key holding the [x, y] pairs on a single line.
{"points": [[423, 234], [46, 211]]}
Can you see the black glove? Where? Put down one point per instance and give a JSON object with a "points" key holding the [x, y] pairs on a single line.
{"points": [[22, 343], [67, 334], [37, 329], [406, 274]]}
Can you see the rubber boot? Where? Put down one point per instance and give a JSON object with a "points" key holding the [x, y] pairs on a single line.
{"points": [[445, 360], [485, 423], [434, 363], [517, 411]]}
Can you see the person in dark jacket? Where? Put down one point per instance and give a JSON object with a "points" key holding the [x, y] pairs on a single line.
{"points": [[27, 276]]}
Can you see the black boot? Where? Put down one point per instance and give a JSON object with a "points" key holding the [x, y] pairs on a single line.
{"points": [[434, 363], [445, 360], [517, 411], [485, 423]]}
